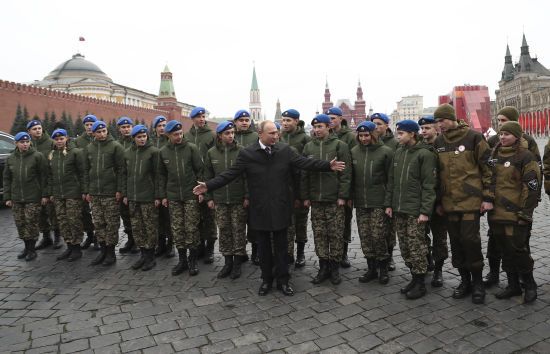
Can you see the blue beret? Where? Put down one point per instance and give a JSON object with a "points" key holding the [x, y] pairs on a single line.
{"points": [[98, 125], [173, 126], [334, 110], [223, 126], [381, 116], [22, 136], [138, 129], [241, 113], [32, 123], [426, 120], [157, 120], [408, 125], [321, 118], [89, 118], [366, 126], [291, 113], [59, 132], [277, 125], [196, 111], [124, 120]]}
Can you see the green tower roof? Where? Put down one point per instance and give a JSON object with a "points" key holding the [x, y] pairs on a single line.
{"points": [[254, 80]]}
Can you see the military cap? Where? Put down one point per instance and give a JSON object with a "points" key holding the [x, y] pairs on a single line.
{"points": [[173, 126], [445, 111], [509, 112], [32, 123], [223, 126], [380, 116], [158, 119], [139, 129], [240, 114], [22, 136], [277, 125], [196, 111], [124, 120], [321, 118], [513, 128], [365, 126], [426, 120], [89, 118], [98, 125], [408, 125], [291, 113], [334, 111], [59, 132]]}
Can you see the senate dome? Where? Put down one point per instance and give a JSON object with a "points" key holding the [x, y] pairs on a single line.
{"points": [[77, 68]]}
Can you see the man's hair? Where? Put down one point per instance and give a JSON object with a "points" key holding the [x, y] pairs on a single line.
{"points": [[262, 125]]}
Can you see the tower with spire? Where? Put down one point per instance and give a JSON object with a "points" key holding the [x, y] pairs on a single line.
{"points": [[255, 104], [167, 95], [327, 103], [508, 71], [278, 113], [360, 105]]}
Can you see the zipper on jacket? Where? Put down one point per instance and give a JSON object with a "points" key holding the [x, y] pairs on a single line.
{"points": [[97, 167], [178, 172], [321, 174], [59, 174], [226, 186], [365, 177], [401, 181], [21, 175], [135, 173]]}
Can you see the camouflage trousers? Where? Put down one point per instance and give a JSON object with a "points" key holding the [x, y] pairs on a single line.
{"points": [[87, 221], [465, 241], [231, 219], [106, 217], [25, 216], [412, 242], [69, 214], [125, 216], [184, 221], [48, 219], [438, 228], [512, 242], [391, 236], [327, 222], [145, 218], [207, 225], [297, 231], [372, 224]]}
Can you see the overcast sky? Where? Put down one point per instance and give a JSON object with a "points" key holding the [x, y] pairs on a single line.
{"points": [[396, 48]]}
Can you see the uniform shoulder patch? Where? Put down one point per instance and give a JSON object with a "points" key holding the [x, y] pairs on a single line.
{"points": [[166, 162], [441, 149], [533, 184]]}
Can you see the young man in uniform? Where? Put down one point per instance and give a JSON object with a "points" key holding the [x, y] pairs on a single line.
{"points": [[466, 192], [203, 137]]}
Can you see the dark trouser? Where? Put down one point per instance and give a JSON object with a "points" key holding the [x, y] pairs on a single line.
{"points": [[164, 222], [125, 216], [207, 226], [348, 214], [512, 242], [465, 241], [276, 256], [48, 219], [438, 227], [87, 222]]}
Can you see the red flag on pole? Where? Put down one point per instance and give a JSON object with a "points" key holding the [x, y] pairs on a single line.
{"points": [[81, 39]]}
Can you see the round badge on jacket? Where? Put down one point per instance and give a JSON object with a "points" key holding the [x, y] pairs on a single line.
{"points": [[507, 164]]}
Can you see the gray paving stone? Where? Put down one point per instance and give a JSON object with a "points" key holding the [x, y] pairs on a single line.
{"points": [[137, 344], [105, 340], [83, 333], [247, 339], [74, 346], [306, 347], [190, 343]]}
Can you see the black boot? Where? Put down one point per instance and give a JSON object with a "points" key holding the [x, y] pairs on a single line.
{"points": [[391, 265], [383, 276], [193, 266], [324, 272], [169, 247], [419, 288], [101, 256], [65, 253], [31, 251], [344, 263], [430, 259], [130, 245], [492, 278], [409, 286], [110, 256], [530, 288], [209, 252], [437, 278], [201, 249], [96, 246], [139, 263], [255, 257], [465, 286], [236, 271], [76, 253], [335, 272], [182, 264], [57, 243], [46, 241], [161, 246], [150, 262], [227, 267], [300, 255], [88, 241], [290, 259], [478, 289], [371, 273], [512, 289], [23, 254]]}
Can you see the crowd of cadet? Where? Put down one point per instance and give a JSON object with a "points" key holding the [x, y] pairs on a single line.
{"points": [[435, 176]]}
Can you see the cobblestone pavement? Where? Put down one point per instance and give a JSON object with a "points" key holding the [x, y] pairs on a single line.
{"points": [[55, 306]]}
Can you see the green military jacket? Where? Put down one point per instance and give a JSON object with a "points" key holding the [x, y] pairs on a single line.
{"points": [[246, 137], [159, 141], [66, 173], [203, 138], [516, 176], [83, 140], [371, 166], [346, 135], [141, 173], [43, 145], [389, 140], [464, 175], [25, 177], [297, 139], [104, 167], [218, 159], [180, 168], [412, 180], [527, 142], [125, 141], [326, 186]]}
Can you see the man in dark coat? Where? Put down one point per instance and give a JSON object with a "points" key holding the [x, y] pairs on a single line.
{"points": [[268, 166]]}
